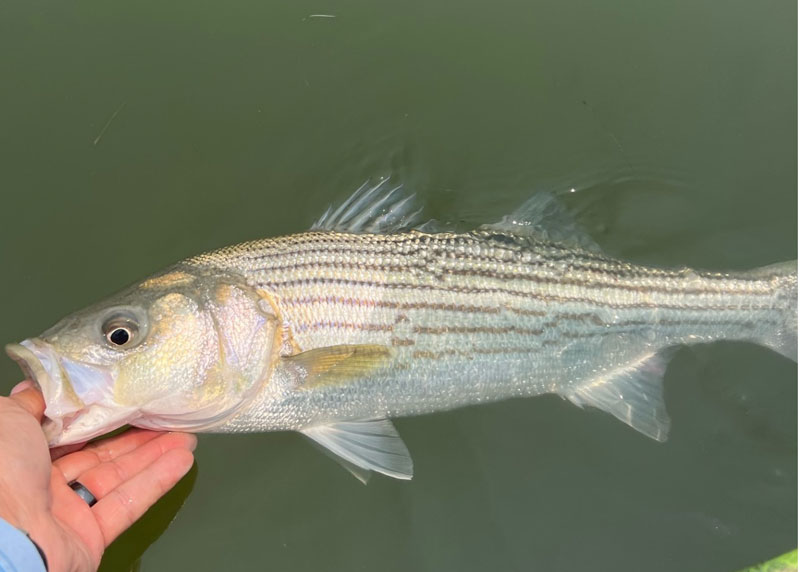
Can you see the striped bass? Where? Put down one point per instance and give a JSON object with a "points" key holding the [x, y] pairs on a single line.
{"points": [[334, 331]]}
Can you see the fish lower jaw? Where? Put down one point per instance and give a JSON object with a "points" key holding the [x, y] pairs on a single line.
{"points": [[85, 424], [53, 429]]}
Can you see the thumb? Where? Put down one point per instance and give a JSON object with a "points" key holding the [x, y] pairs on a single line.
{"points": [[30, 400]]}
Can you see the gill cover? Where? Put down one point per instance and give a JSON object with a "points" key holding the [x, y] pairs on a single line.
{"points": [[195, 349], [217, 348]]}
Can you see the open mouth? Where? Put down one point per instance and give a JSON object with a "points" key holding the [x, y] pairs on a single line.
{"points": [[76, 395], [31, 365], [41, 365]]}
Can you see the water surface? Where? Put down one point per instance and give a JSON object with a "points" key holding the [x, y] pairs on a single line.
{"points": [[135, 134]]}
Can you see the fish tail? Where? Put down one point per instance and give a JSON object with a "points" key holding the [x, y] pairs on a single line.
{"points": [[783, 276], [633, 393]]}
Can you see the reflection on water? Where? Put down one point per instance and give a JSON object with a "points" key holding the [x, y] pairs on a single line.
{"points": [[675, 123]]}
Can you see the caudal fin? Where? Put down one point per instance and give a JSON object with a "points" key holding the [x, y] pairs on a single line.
{"points": [[784, 277]]}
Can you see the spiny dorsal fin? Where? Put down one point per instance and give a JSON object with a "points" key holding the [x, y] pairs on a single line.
{"points": [[380, 208], [371, 445], [544, 217], [334, 365], [633, 394]]}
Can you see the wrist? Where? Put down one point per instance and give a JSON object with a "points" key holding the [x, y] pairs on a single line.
{"points": [[19, 518], [42, 555], [13, 511], [33, 529], [18, 551], [33, 526]]}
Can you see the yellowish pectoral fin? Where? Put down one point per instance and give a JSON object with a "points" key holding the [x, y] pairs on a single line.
{"points": [[339, 364]]}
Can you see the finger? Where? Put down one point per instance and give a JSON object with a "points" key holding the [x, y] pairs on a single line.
{"points": [[22, 385], [92, 455], [31, 401], [125, 504], [106, 477]]}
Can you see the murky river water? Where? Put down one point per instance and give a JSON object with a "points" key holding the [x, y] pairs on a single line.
{"points": [[135, 134]]}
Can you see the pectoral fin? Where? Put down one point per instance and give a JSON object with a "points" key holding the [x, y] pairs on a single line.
{"points": [[337, 364], [632, 394], [365, 446]]}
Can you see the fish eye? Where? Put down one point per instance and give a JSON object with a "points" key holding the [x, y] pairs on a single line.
{"points": [[120, 331], [119, 336]]}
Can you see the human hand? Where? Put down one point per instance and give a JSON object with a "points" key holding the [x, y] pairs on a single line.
{"points": [[127, 474]]}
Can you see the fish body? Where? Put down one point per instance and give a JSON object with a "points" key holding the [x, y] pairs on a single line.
{"points": [[477, 317], [334, 331]]}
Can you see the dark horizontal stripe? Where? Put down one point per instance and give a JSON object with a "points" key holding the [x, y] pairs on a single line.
{"points": [[637, 325], [440, 354], [590, 317], [331, 324], [596, 320], [372, 327], [615, 327], [478, 330], [598, 284], [579, 317], [462, 308]]}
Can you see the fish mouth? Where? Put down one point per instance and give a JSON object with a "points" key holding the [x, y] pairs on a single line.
{"points": [[30, 364], [76, 395]]}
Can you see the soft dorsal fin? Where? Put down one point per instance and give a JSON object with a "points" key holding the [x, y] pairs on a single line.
{"points": [[379, 208], [371, 445], [544, 217]]}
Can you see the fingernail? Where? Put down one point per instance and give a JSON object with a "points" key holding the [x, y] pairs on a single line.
{"points": [[21, 386]]}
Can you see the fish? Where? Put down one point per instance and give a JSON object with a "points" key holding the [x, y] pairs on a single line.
{"points": [[372, 315]]}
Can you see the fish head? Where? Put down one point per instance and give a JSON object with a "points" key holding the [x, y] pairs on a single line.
{"points": [[182, 350]]}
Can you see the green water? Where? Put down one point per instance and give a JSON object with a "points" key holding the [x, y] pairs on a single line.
{"points": [[230, 121]]}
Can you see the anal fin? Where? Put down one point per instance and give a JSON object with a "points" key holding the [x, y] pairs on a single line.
{"points": [[364, 446], [633, 394]]}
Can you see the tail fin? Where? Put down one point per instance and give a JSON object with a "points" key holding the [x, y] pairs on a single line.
{"points": [[784, 277]]}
